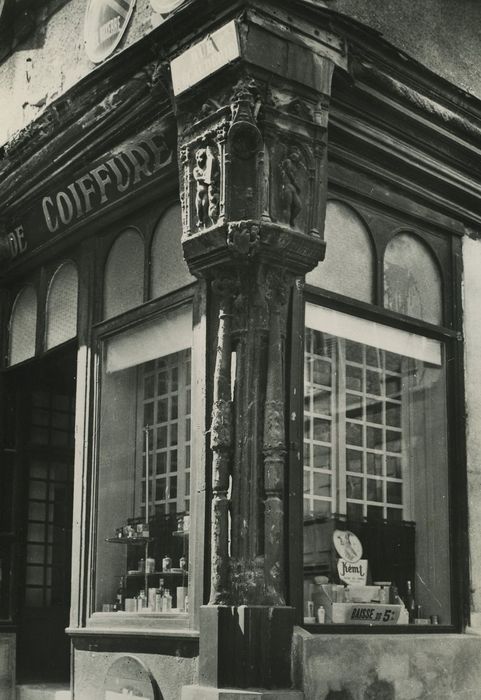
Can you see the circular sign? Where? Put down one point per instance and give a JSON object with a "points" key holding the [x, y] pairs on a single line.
{"points": [[105, 24], [129, 677], [165, 6], [347, 545]]}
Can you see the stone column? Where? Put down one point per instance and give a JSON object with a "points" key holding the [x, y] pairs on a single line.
{"points": [[252, 154]]}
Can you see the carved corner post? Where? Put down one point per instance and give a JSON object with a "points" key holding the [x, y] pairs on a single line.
{"points": [[252, 157]]}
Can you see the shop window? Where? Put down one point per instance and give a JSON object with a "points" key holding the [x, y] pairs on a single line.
{"points": [[61, 321], [144, 467], [375, 473], [412, 280], [23, 326], [348, 247], [168, 268], [124, 274]]}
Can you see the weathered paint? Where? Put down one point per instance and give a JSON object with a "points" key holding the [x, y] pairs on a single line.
{"points": [[472, 337], [387, 667]]}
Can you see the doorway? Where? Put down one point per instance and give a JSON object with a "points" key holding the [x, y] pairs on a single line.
{"points": [[43, 398]]}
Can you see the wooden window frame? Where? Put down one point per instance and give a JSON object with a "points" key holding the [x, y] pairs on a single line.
{"points": [[195, 295], [449, 258]]}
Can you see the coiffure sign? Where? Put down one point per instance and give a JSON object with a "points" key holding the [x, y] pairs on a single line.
{"points": [[106, 181]]}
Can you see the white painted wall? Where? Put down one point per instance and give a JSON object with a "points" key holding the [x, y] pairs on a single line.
{"points": [[52, 59], [472, 335]]}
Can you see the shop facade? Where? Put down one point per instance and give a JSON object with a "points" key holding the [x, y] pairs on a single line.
{"points": [[240, 425]]}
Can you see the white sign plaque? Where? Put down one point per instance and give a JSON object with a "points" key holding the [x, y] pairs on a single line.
{"points": [[206, 57], [105, 24], [352, 573]]}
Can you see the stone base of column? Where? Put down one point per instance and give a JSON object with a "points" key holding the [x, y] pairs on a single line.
{"points": [[197, 692], [245, 647]]}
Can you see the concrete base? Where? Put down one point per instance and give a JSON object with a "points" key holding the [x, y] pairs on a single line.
{"points": [[197, 692], [43, 691]]}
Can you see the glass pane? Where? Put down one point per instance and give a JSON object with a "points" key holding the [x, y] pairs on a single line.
{"points": [[386, 478], [354, 460], [124, 274], [23, 326], [62, 305], [143, 486], [412, 280], [168, 268], [348, 247]]}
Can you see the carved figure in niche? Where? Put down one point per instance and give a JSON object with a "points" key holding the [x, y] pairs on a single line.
{"points": [[291, 189], [206, 175]]}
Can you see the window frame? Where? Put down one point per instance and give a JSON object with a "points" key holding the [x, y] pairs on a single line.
{"points": [[450, 335], [95, 622]]}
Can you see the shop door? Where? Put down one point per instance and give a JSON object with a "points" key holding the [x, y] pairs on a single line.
{"points": [[45, 395]]}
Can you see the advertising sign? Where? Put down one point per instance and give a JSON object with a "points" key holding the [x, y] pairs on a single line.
{"points": [[105, 24]]}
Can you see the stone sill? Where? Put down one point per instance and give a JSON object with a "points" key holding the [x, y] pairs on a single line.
{"points": [[136, 624]]}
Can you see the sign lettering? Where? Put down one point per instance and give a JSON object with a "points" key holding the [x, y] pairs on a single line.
{"points": [[106, 181], [105, 24]]}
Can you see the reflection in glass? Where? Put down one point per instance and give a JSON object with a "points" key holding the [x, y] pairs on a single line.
{"points": [[386, 478], [144, 462]]}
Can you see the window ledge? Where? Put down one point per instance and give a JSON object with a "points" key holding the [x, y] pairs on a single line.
{"points": [[138, 624]]}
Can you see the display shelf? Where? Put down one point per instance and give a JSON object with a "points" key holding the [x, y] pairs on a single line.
{"points": [[183, 572], [130, 540]]}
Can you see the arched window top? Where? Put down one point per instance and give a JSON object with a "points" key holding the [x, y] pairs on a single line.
{"points": [[23, 326], [62, 303], [169, 269], [348, 267], [412, 279], [124, 274]]}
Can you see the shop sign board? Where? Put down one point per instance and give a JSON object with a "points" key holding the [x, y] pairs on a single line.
{"points": [[365, 613], [205, 58], [99, 186], [105, 24]]}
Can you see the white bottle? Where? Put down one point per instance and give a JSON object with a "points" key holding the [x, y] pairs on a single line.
{"points": [[167, 601], [321, 615]]}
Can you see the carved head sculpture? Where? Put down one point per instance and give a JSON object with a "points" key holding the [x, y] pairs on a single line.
{"points": [[201, 157]]}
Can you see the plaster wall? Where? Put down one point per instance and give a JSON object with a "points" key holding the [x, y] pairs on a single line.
{"points": [[52, 59], [430, 31], [472, 337], [382, 667], [171, 670]]}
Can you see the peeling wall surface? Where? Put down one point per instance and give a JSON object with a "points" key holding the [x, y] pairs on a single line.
{"points": [[472, 337], [380, 667], [52, 59], [429, 31]]}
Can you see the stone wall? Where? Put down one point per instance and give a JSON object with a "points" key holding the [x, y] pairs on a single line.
{"points": [[170, 668], [383, 667]]}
